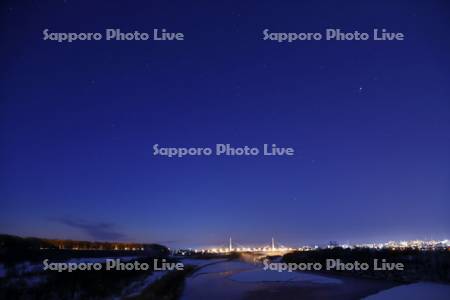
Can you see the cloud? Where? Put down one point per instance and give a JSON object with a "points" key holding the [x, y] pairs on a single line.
{"points": [[99, 231]]}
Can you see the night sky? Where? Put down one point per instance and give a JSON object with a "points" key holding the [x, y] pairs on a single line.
{"points": [[369, 121]]}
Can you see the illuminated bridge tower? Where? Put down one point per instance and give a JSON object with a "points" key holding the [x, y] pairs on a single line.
{"points": [[230, 246], [273, 244]]}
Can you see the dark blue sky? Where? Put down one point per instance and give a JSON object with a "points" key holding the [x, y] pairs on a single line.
{"points": [[370, 122]]}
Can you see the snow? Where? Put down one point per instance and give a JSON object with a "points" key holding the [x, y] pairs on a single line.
{"points": [[136, 288], [246, 272], [415, 291], [28, 267], [2, 270], [100, 259], [34, 280], [259, 275], [200, 262], [234, 279], [226, 266]]}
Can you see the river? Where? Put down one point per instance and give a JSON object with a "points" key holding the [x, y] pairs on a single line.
{"points": [[235, 279]]}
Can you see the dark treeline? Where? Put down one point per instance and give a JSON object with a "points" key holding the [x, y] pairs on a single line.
{"points": [[14, 249], [419, 265]]}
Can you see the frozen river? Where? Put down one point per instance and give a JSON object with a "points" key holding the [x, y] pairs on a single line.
{"points": [[234, 279]]}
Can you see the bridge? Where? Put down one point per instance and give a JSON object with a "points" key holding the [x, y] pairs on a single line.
{"points": [[272, 249]]}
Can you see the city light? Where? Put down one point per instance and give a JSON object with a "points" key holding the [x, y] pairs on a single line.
{"points": [[423, 245]]}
